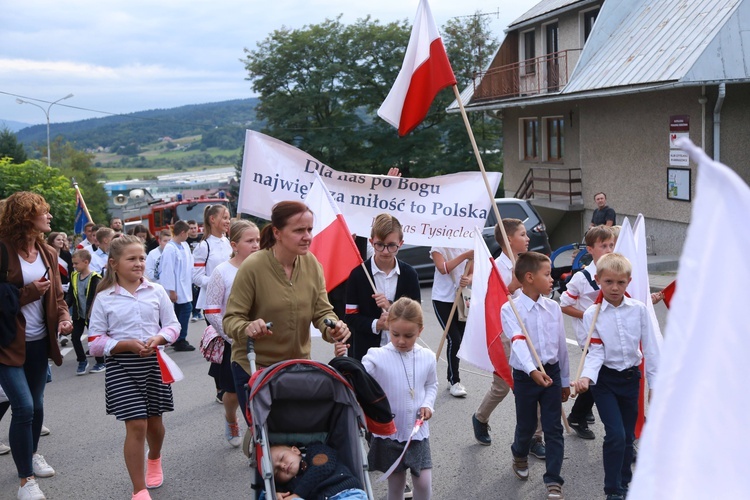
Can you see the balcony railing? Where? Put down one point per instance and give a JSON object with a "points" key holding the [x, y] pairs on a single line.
{"points": [[552, 184], [544, 74]]}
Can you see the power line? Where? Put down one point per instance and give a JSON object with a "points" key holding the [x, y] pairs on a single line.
{"points": [[130, 115]]}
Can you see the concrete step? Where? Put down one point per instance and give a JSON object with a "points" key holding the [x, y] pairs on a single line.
{"points": [[663, 263]]}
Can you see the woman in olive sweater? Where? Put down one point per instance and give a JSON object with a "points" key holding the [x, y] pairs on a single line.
{"points": [[282, 284]]}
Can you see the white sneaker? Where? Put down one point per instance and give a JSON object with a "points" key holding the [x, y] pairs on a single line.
{"points": [[30, 491], [4, 448], [41, 467], [458, 390], [45, 431]]}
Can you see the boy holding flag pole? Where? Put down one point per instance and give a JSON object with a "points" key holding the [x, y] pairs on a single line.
{"points": [[617, 327]]}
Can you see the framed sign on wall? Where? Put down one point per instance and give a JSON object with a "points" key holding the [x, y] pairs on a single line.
{"points": [[678, 184]]}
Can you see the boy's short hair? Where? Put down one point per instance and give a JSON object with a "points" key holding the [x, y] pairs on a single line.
{"points": [[614, 263], [88, 225], [385, 224], [529, 262], [180, 227], [104, 232], [192, 222], [165, 232], [615, 231], [82, 254], [598, 233], [510, 226]]}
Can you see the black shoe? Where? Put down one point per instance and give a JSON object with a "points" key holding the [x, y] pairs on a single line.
{"points": [[481, 431], [538, 449], [183, 345], [590, 418], [581, 428], [220, 396]]}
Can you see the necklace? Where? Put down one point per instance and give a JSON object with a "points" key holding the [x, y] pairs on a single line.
{"points": [[413, 372]]}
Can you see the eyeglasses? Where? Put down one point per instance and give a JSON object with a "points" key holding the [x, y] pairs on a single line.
{"points": [[392, 247]]}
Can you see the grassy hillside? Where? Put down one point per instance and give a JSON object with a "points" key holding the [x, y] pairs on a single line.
{"points": [[150, 143], [217, 121]]}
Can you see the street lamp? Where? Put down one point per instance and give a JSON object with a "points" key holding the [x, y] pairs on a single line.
{"points": [[46, 113]]}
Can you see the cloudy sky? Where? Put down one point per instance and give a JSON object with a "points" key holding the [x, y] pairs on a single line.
{"points": [[123, 56]]}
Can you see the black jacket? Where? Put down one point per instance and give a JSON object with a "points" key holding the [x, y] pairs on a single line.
{"points": [[359, 293]]}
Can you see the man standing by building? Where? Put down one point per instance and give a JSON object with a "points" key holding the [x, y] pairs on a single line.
{"points": [[603, 215]]}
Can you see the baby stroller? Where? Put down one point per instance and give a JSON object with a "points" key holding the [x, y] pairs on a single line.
{"points": [[566, 261], [299, 402]]}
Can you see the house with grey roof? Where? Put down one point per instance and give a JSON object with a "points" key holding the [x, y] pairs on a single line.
{"points": [[593, 92]]}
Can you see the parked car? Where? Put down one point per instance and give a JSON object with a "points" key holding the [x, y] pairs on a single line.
{"points": [[512, 208]]}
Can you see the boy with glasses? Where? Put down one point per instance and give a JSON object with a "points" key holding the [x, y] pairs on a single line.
{"points": [[367, 310]]}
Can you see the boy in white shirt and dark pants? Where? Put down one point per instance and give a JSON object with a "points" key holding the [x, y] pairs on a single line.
{"points": [[611, 368], [580, 294], [544, 323], [176, 276]]}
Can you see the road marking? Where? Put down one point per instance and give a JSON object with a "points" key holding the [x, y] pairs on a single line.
{"points": [[65, 350], [571, 342]]}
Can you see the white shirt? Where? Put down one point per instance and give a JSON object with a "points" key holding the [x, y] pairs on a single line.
{"points": [[580, 294], [33, 312], [444, 286], [98, 261], [396, 373], [152, 264], [205, 262], [118, 315], [176, 265], [616, 336], [217, 295], [506, 272], [544, 323], [386, 284]]}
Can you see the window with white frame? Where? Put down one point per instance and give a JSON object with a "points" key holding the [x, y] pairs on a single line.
{"points": [[529, 138], [588, 18], [554, 139], [528, 52]]}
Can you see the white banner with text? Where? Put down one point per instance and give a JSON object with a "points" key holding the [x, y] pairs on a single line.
{"points": [[435, 211]]}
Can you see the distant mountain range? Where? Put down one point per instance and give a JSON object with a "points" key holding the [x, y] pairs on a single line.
{"points": [[144, 127], [12, 125]]}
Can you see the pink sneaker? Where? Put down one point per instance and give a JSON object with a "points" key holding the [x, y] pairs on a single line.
{"points": [[154, 474], [141, 495]]}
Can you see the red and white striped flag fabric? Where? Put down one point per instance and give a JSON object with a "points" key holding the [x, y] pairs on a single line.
{"points": [[425, 72], [482, 345], [332, 242], [170, 372]]}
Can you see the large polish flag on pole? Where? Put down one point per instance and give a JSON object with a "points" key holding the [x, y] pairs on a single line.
{"points": [[482, 345], [425, 72], [699, 411], [332, 242]]}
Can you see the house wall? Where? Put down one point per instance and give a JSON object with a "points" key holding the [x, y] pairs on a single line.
{"points": [[622, 146]]}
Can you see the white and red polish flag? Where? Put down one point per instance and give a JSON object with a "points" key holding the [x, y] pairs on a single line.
{"points": [[425, 72], [482, 345], [332, 242], [170, 372], [700, 394]]}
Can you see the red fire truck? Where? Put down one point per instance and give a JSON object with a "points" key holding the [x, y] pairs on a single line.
{"points": [[161, 214]]}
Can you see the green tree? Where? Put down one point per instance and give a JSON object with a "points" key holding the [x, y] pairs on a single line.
{"points": [[78, 165], [320, 88], [10, 147], [35, 176]]}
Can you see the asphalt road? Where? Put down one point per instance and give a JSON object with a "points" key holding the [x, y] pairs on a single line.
{"points": [[85, 446]]}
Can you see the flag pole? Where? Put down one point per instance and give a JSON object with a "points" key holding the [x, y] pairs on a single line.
{"points": [[586, 348], [484, 172], [83, 202], [453, 312], [499, 219]]}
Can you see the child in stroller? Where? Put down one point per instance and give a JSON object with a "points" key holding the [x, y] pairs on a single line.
{"points": [[318, 474]]}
